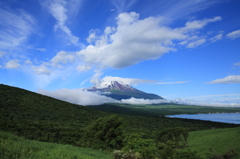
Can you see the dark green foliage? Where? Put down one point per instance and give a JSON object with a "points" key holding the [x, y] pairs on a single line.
{"points": [[161, 109], [229, 154], [42, 118], [177, 137], [104, 133], [183, 154], [137, 144]]}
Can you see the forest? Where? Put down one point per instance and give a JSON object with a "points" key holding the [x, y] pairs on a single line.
{"points": [[124, 131]]}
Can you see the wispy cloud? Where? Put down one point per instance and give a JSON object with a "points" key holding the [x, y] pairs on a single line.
{"points": [[62, 57], [42, 69], [216, 38], [208, 103], [234, 34], [12, 64], [127, 81], [196, 43], [41, 49], [96, 77], [227, 80], [2, 53], [59, 9], [28, 62], [123, 5], [237, 64], [178, 82], [16, 27], [198, 24], [176, 9]]}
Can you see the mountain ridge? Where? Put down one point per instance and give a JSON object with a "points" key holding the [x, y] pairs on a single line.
{"points": [[119, 91]]}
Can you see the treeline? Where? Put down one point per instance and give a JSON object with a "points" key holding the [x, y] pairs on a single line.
{"points": [[108, 133], [43, 118]]}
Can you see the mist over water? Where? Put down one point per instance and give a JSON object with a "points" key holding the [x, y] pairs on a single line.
{"points": [[220, 117]]}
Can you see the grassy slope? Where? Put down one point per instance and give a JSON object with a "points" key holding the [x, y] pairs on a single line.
{"points": [[14, 147], [219, 140], [46, 119]]}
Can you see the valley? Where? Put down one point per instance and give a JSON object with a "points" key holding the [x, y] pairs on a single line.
{"points": [[37, 117]]}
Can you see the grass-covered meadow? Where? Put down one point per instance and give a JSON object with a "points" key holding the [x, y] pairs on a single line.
{"points": [[14, 147], [216, 141]]}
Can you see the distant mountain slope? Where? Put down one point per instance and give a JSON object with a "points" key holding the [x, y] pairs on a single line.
{"points": [[120, 91]]}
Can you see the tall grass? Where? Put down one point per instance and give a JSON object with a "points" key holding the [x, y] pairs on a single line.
{"points": [[215, 141], [14, 147]]}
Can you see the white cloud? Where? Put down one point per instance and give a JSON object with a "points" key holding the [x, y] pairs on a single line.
{"points": [[131, 42], [12, 64], [176, 9], [227, 80], [82, 68], [198, 24], [41, 49], [135, 40], [217, 95], [196, 43], [58, 9], [83, 97], [122, 5], [42, 69], [96, 77], [179, 82], [206, 103], [183, 43], [234, 34], [16, 27], [1, 53], [237, 64], [144, 101], [28, 62], [92, 36], [216, 38], [77, 96], [127, 81], [62, 57]]}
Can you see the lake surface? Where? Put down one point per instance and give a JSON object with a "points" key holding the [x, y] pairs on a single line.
{"points": [[221, 117]]}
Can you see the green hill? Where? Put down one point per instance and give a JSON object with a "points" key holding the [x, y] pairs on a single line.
{"points": [[43, 118], [219, 141]]}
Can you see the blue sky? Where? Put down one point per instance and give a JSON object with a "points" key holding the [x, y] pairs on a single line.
{"points": [[179, 49]]}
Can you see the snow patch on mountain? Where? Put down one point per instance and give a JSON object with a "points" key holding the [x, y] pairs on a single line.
{"points": [[112, 85]]}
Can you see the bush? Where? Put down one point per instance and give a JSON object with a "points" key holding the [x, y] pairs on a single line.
{"points": [[140, 147], [104, 133]]}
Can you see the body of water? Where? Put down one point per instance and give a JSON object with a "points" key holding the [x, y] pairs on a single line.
{"points": [[220, 117]]}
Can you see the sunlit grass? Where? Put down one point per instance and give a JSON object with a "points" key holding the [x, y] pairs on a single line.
{"points": [[13, 147], [218, 140]]}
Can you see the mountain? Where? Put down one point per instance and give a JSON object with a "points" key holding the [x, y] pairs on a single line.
{"points": [[120, 91]]}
